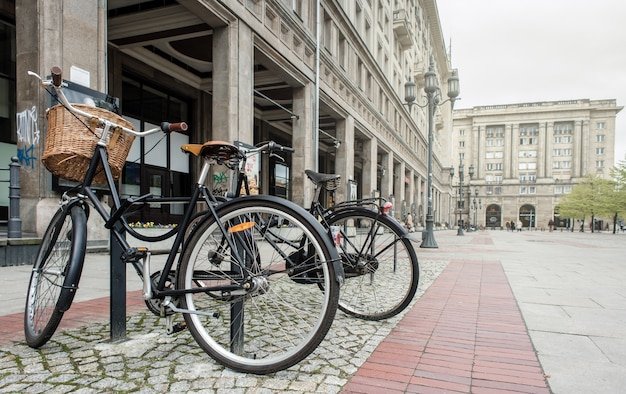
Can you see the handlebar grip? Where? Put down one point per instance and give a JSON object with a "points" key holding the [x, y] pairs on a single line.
{"points": [[169, 127], [57, 78], [275, 146]]}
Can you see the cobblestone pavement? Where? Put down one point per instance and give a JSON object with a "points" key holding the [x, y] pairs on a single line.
{"points": [[82, 361]]}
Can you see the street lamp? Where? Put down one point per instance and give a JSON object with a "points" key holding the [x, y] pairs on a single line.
{"points": [[476, 206], [433, 94], [461, 202]]}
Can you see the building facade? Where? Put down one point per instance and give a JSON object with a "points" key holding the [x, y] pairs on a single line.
{"points": [[237, 70], [525, 157]]}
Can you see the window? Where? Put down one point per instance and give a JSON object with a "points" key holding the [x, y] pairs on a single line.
{"points": [[565, 139], [562, 152], [599, 151], [461, 144], [494, 166], [529, 130], [494, 155], [341, 58], [563, 128], [563, 189], [495, 131], [600, 138], [462, 132], [155, 163], [562, 164], [297, 6], [528, 141], [600, 163], [600, 125], [7, 84], [494, 142]]}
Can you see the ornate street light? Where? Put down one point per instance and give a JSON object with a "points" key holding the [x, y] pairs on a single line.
{"points": [[476, 206], [433, 94], [461, 202]]}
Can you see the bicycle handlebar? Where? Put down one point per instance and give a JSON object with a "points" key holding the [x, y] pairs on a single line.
{"points": [[57, 83], [270, 147]]}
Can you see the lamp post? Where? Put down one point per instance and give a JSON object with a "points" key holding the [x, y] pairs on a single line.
{"points": [[476, 206], [433, 94], [461, 202]]}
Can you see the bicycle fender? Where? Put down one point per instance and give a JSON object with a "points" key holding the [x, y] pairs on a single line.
{"points": [[75, 266], [261, 200]]}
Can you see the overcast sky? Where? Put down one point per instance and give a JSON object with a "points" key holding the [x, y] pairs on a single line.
{"points": [[511, 51]]}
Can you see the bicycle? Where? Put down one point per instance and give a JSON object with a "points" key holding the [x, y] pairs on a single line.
{"points": [[245, 295], [379, 261]]}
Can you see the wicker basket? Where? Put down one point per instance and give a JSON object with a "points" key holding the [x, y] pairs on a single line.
{"points": [[70, 144]]}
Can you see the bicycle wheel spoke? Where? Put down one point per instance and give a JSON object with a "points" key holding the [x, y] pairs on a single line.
{"points": [[282, 308], [47, 283], [380, 264]]}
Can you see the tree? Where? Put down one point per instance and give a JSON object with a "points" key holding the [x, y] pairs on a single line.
{"points": [[618, 173], [592, 197]]}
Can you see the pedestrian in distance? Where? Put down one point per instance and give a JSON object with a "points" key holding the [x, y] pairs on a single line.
{"points": [[409, 223]]}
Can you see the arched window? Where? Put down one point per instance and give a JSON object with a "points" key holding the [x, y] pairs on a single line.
{"points": [[528, 216], [493, 216]]}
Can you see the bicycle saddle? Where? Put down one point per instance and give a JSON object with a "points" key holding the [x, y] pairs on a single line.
{"points": [[318, 178], [220, 151]]}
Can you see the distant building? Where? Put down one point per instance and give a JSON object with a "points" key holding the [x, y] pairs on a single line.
{"points": [[527, 156], [240, 70]]}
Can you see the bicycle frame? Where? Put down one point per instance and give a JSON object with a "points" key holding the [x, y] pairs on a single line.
{"points": [[117, 224]]}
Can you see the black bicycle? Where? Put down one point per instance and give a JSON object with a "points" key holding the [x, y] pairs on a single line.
{"points": [[379, 259], [250, 299]]}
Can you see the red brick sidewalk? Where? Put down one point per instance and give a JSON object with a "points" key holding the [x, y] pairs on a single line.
{"points": [[79, 315], [464, 335]]}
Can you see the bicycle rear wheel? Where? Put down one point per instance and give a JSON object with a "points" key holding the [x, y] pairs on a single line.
{"points": [[263, 309], [380, 264], [55, 275]]}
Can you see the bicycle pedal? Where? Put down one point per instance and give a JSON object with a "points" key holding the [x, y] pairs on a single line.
{"points": [[176, 328], [134, 254]]}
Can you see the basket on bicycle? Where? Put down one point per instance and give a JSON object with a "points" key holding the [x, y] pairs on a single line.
{"points": [[70, 143]]}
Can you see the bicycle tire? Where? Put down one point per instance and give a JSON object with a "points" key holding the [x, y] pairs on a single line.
{"points": [[381, 284], [56, 271], [284, 313]]}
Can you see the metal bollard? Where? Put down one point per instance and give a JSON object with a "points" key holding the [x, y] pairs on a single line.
{"points": [[14, 226]]}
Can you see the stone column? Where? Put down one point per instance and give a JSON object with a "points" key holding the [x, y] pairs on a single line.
{"points": [[302, 141], [370, 166], [344, 159], [410, 199], [398, 187], [233, 83], [232, 106], [51, 33], [386, 181]]}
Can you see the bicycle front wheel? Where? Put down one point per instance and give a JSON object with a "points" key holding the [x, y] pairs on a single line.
{"points": [[379, 261], [54, 279], [257, 273]]}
